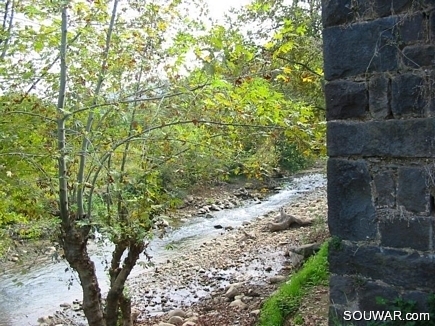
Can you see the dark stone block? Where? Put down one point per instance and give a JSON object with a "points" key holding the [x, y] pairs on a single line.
{"points": [[360, 48], [336, 12], [342, 289], [412, 190], [420, 298], [417, 56], [432, 26], [386, 8], [411, 28], [408, 96], [389, 138], [411, 233], [379, 102], [416, 270], [345, 99], [371, 294], [351, 212], [430, 109], [385, 189]]}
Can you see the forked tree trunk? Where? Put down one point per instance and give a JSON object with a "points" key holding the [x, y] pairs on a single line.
{"points": [[116, 300], [73, 238], [74, 243]]}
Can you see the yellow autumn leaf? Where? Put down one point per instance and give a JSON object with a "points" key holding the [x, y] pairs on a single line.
{"points": [[287, 70], [161, 25]]}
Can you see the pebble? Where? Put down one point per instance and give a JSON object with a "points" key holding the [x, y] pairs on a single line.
{"points": [[176, 320], [189, 323], [277, 279], [239, 304], [177, 312]]}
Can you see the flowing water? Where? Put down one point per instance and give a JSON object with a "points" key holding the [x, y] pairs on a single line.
{"points": [[25, 296]]}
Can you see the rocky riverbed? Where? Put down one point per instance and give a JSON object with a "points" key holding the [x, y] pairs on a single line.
{"points": [[223, 280]]}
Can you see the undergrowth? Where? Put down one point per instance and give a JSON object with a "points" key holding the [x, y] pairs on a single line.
{"points": [[287, 299]]}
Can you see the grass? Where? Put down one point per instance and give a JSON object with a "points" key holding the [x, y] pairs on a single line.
{"points": [[288, 297]]}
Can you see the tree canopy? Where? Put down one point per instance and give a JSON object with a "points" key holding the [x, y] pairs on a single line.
{"points": [[110, 108]]}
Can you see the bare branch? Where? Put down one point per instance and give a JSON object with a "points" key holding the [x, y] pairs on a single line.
{"points": [[146, 99], [11, 18], [62, 166], [303, 65], [85, 143]]}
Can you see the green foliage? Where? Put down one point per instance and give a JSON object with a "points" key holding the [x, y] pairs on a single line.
{"points": [[238, 82], [406, 307], [110, 118], [290, 158], [336, 243], [287, 299]]}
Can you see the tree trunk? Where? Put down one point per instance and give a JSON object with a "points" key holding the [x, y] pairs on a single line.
{"points": [[74, 244], [118, 277], [125, 305], [72, 238]]}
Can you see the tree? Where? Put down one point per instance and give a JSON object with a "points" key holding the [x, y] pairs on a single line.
{"points": [[116, 107]]}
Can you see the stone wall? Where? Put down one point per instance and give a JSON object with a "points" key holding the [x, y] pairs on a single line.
{"points": [[380, 86]]}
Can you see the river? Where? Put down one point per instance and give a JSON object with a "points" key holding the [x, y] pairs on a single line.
{"points": [[26, 296]]}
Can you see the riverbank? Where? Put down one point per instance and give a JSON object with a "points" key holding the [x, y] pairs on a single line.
{"points": [[249, 262], [196, 275]]}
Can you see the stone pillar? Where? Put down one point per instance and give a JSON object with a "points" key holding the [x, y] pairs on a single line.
{"points": [[379, 65]]}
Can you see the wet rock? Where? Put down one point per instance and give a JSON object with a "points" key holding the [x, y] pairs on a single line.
{"points": [[215, 207], [50, 250], [209, 215], [295, 260], [203, 210], [176, 320], [233, 290], [193, 319], [277, 279], [239, 304], [229, 205], [218, 226], [189, 323], [65, 305], [45, 319], [306, 250], [14, 258], [253, 293], [177, 312], [255, 313]]}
